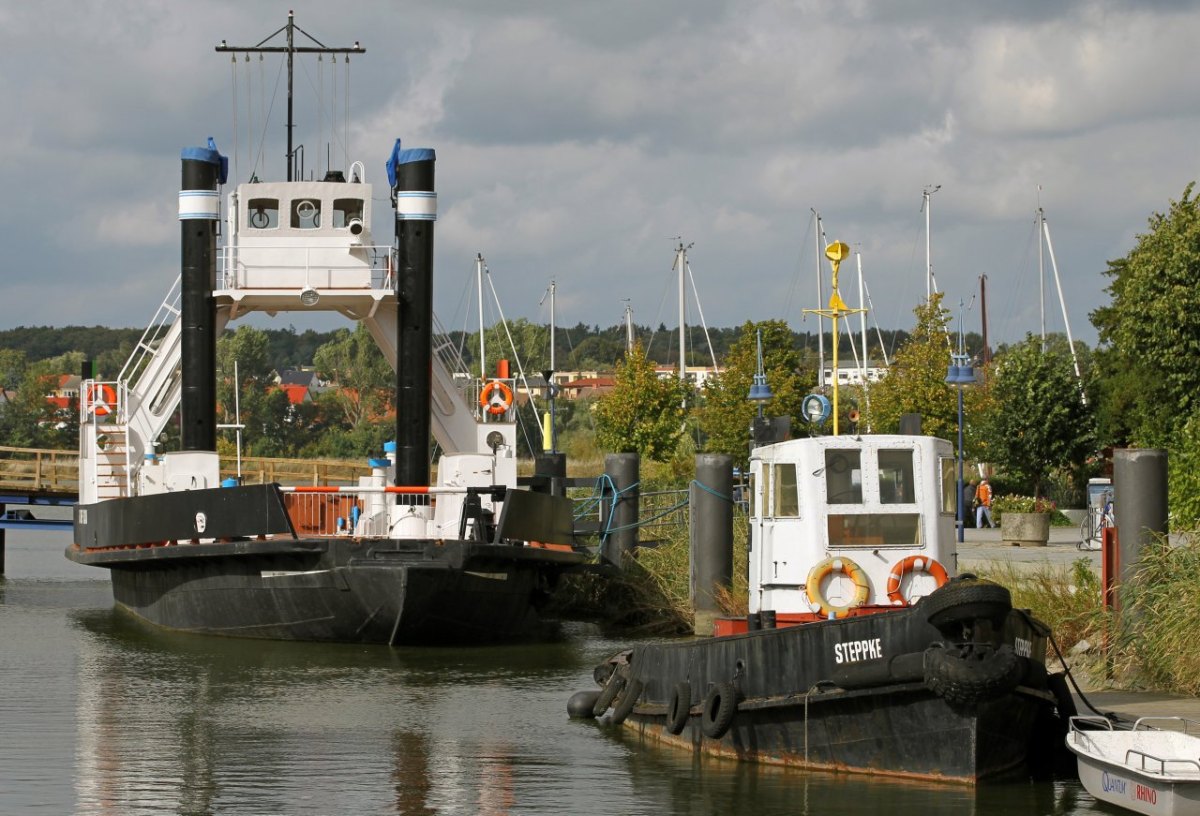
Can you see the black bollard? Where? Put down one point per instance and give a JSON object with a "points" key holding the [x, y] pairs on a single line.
{"points": [[553, 468], [619, 513], [1140, 503], [711, 536]]}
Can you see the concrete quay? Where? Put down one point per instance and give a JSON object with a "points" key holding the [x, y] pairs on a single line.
{"points": [[987, 545]]}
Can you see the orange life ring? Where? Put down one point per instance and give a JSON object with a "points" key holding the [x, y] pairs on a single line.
{"points": [[816, 597], [101, 399], [914, 563], [501, 403]]}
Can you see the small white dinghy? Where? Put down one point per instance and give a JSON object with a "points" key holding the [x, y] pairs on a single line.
{"points": [[1153, 768]]}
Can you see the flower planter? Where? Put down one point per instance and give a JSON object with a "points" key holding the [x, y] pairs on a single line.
{"points": [[1025, 529]]}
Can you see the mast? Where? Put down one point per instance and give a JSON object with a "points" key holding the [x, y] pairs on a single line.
{"points": [[1063, 305], [987, 350], [291, 49], [862, 319], [628, 327], [479, 295], [820, 299], [836, 253], [1041, 217], [928, 254], [681, 260]]}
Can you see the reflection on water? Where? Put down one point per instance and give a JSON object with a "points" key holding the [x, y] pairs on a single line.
{"points": [[102, 714]]}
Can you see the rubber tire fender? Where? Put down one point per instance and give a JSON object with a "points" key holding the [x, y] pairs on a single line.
{"points": [[628, 699], [608, 694], [971, 674], [964, 600], [679, 708], [720, 704]]}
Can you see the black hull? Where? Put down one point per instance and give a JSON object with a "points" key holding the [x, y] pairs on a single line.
{"points": [[865, 694], [903, 730], [339, 588]]}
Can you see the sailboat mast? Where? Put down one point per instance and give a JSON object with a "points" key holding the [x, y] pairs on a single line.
{"points": [[479, 291], [928, 248], [820, 299], [681, 260], [1042, 275], [987, 350]]}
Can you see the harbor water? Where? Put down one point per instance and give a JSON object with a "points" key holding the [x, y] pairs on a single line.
{"points": [[101, 714]]}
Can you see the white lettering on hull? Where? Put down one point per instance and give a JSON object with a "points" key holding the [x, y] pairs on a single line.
{"points": [[858, 650]]}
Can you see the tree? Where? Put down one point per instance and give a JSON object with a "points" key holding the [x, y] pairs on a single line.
{"points": [[725, 414], [643, 413], [1040, 422], [365, 379], [916, 381], [1150, 332]]}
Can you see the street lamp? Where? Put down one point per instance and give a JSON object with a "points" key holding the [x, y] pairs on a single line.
{"points": [[960, 373], [760, 393]]}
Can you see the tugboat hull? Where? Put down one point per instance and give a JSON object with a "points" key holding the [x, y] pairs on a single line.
{"points": [[886, 693]]}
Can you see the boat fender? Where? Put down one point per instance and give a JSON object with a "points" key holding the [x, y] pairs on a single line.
{"points": [[914, 563], [720, 704], [629, 698], [579, 707], [964, 600], [496, 403], [609, 693], [816, 596], [971, 673], [679, 708]]}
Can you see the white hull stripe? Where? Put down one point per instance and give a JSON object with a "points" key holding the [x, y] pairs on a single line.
{"points": [[199, 204], [416, 206]]}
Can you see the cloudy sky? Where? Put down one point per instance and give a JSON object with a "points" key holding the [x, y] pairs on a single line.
{"points": [[577, 141]]}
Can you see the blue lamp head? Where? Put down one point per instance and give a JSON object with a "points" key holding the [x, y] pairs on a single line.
{"points": [[759, 390]]}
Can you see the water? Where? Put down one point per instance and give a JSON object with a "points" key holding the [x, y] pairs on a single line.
{"points": [[100, 714]]}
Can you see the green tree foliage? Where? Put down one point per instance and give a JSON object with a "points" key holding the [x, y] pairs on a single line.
{"points": [[643, 414], [365, 379], [916, 381], [1039, 422], [1150, 332], [725, 415]]}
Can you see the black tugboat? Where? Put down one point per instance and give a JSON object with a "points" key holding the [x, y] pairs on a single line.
{"points": [[393, 559], [862, 650]]}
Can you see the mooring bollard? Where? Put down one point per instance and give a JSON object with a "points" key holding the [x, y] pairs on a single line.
{"points": [[619, 510], [1140, 499], [710, 536]]}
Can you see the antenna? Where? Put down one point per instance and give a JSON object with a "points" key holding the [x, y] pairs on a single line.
{"points": [[291, 49]]}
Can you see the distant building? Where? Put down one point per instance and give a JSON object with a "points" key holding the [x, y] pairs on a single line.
{"points": [[853, 375], [300, 385], [696, 375]]}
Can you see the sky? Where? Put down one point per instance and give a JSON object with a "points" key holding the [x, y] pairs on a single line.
{"points": [[581, 142]]}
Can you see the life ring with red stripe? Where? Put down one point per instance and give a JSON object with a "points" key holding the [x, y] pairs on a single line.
{"points": [[914, 563], [816, 595], [496, 397], [101, 399]]}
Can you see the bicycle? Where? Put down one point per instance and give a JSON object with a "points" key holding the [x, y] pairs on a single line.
{"points": [[1091, 529]]}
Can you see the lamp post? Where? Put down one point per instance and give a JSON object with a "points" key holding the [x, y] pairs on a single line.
{"points": [[960, 373], [760, 393]]}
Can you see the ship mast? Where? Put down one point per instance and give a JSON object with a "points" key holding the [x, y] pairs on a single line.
{"points": [[291, 49]]}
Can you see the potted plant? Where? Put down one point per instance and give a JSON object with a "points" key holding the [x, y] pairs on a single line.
{"points": [[1024, 520]]}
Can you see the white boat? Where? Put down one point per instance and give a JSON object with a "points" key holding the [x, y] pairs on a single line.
{"points": [[1153, 768]]}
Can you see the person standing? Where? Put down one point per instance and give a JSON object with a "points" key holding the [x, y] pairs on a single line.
{"points": [[983, 497], [968, 503]]}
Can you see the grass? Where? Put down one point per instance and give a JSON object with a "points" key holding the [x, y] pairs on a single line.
{"points": [[1156, 643], [1067, 599]]}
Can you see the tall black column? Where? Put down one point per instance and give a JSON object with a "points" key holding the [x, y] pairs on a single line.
{"points": [[416, 211], [199, 208]]}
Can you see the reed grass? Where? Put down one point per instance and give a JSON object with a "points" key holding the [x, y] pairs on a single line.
{"points": [[1157, 644], [1068, 599]]}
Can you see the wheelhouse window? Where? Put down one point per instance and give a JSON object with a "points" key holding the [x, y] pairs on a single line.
{"points": [[787, 496], [263, 213], [875, 530], [306, 213], [346, 209], [843, 476], [949, 487], [896, 477]]}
